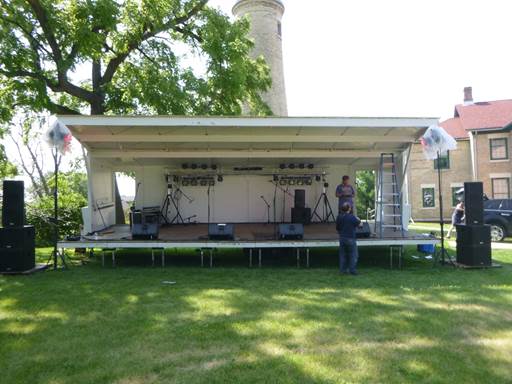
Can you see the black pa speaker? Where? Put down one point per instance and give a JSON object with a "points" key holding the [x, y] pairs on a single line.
{"points": [[301, 215], [17, 248], [221, 232], [300, 198], [13, 203], [363, 231], [293, 231], [474, 202], [474, 255], [473, 234]]}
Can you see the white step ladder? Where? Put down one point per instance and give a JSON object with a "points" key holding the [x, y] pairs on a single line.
{"points": [[388, 204]]}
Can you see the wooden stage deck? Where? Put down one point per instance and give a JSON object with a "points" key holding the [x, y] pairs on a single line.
{"points": [[253, 235]]}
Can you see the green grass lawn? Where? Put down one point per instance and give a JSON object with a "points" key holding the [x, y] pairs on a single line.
{"points": [[278, 324]]}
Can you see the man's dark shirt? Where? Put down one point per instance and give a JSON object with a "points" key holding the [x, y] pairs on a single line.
{"points": [[346, 224]]}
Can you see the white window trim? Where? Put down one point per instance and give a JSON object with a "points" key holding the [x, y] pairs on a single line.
{"points": [[500, 175]]}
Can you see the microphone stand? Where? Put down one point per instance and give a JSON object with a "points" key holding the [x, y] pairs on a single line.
{"points": [[268, 209]]}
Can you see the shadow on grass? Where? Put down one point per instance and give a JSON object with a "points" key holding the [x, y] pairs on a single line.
{"points": [[232, 324]]}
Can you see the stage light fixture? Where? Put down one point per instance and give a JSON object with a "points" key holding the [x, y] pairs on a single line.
{"points": [[291, 166], [203, 182], [193, 166], [302, 165], [204, 166], [211, 182], [300, 182], [275, 178], [282, 182], [282, 166], [193, 182], [185, 182], [214, 167], [220, 178], [311, 166], [318, 178], [309, 181], [291, 182], [175, 178], [184, 166], [326, 185]]}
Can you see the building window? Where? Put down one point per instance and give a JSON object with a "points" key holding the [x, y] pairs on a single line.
{"points": [[279, 29], [443, 162], [499, 149], [428, 198], [456, 197], [501, 188]]}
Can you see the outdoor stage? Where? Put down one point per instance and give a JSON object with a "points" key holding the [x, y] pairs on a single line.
{"points": [[249, 236]]}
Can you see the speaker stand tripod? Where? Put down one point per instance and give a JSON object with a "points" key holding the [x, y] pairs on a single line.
{"points": [[172, 199], [56, 254], [325, 207], [442, 257]]}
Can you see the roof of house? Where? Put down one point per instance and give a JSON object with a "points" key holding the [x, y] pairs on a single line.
{"points": [[486, 115]]}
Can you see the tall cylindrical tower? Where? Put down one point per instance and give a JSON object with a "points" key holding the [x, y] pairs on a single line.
{"points": [[266, 32]]}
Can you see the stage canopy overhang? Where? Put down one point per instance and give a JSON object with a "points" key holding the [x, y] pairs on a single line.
{"points": [[121, 141]]}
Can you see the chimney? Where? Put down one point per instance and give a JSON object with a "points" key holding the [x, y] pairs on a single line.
{"points": [[468, 95]]}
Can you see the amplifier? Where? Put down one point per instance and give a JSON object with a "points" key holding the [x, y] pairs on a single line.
{"points": [[145, 225], [474, 255], [364, 231], [17, 249], [301, 215], [293, 231], [473, 234], [221, 232]]}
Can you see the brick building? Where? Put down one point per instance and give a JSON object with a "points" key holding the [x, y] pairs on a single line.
{"points": [[483, 131]]}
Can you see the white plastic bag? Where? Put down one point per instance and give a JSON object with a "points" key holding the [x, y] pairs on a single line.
{"points": [[437, 141], [59, 136]]}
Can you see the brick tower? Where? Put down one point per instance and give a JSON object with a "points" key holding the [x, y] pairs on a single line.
{"points": [[265, 17]]}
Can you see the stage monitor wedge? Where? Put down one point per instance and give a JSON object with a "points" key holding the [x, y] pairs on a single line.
{"points": [[474, 202], [13, 203], [294, 231], [221, 232]]}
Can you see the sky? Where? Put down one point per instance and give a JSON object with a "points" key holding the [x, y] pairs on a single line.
{"points": [[393, 57]]}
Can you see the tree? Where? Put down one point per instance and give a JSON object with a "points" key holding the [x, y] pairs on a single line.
{"points": [[365, 182], [72, 197], [135, 52]]}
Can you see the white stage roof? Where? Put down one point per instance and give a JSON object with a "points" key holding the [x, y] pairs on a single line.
{"points": [[168, 139]]}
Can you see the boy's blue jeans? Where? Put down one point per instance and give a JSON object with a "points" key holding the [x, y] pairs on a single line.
{"points": [[348, 255]]}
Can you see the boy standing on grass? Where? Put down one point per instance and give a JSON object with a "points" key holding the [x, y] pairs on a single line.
{"points": [[346, 225]]}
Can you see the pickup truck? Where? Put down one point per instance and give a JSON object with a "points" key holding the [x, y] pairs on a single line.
{"points": [[498, 214]]}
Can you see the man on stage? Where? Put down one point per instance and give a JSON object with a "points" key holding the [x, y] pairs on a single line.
{"points": [[345, 193]]}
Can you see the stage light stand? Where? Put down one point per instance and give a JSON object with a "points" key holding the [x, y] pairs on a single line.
{"points": [[55, 253], [444, 253]]}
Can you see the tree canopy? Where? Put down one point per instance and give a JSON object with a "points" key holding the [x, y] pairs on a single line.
{"points": [[126, 57]]}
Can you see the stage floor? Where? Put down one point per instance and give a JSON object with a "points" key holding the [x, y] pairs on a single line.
{"points": [[247, 235]]}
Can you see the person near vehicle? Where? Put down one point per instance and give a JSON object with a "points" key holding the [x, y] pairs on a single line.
{"points": [[345, 193], [346, 224], [457, 217]]}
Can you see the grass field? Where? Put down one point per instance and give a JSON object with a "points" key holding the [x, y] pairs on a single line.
{"points": [[278, 324]]}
